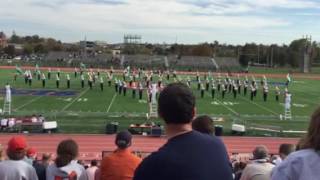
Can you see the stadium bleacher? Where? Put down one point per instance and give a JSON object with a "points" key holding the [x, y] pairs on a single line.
{"points": [[146, 61]]}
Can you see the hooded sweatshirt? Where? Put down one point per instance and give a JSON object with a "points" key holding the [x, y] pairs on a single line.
{"points": [[17, 170]]}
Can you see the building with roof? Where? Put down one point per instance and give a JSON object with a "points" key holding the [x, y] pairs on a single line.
{"points": [[3, 40]]}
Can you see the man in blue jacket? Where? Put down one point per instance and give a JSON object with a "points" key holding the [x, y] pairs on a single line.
{"points": [[188, 154]]}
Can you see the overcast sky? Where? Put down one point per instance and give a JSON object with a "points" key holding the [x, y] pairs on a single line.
{"points": [[158, 21]]}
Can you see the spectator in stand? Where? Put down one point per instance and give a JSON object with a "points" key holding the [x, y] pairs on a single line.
{"points": [[32, 158], [97, 174], [46, 159], [30, 155], [121, 164], [240, 166], [65, 165], [187, 154], [299, 144], [203, 124], [91, 171], [16, 168], [285, 150], [260, 168], [275, 159], [305, 163]]}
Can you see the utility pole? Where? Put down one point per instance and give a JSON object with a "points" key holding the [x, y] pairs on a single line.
{"points": [[271, 58], [307, 51], [238, 53], [258, 54]]}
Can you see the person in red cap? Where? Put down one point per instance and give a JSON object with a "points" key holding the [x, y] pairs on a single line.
{"points": [[16, 168], [31, 155], [39, 167]]}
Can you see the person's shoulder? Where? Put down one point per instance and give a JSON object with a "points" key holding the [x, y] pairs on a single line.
{"points": [[295, 159], [210, 139], [109, 157], [149, 167], [76, 165], [301, 155], [19, 163], [292, 165], [155, 157], [51, 167], [135, 157]]}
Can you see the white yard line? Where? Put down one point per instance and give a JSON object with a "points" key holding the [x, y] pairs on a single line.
{"points": [[68, 105], [29, 102], [262, 107], [111, 103], [230, 109]]}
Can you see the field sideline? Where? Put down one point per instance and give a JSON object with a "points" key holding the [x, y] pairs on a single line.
{"points": [[89, 110]]}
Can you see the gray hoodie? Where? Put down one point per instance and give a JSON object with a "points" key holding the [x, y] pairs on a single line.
{"points": [[17, 170], [73, 169]]}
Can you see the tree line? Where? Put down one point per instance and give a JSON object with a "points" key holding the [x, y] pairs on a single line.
{"points": [[273, 55]]}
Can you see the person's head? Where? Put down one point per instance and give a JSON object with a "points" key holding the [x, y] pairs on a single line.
{"points": [[203, 124], [17, 148], [123, 139], [94, 163], [285, 150], [176, 104], [46, 158], [66, 152], [312, 139], [32, 153], [260, 152], [242, 165]]}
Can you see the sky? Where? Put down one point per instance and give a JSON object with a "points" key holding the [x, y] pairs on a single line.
{"points": [[164, 21]]}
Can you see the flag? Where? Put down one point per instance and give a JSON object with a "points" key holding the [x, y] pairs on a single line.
{"points": [[253, 78], [82, 67], [264, 78], [18, 70], [288, 77], [37, 69]]}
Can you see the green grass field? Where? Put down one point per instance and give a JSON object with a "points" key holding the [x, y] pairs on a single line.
{"points": [[89, 110]]}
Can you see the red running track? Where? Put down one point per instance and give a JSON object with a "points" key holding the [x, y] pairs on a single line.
{"points": [[91, 146]]}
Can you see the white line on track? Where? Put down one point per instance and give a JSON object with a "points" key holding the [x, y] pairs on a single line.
{"points": [[112, 100], [29, 102], [68, 105]]}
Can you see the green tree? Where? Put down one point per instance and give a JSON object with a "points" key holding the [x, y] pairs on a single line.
{"points": [[40, 48], [10, 50], [296, 50], [15, 39], [28, 49], [202, 50]]}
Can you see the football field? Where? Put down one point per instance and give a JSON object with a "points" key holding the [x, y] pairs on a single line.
{"points": [[82, 110]]}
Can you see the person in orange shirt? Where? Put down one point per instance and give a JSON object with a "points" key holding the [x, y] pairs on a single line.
{"points": [[121, 164]]}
